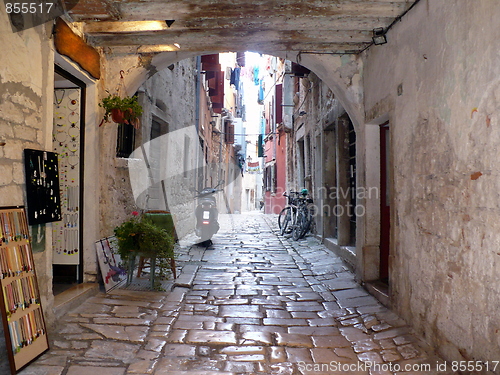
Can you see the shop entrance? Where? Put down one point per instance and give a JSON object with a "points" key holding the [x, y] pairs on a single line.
{"points": [[68, 143]]}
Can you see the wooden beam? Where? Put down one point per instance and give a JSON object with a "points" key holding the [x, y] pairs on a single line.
{"points": [[269, 47], [266, 22], [184, 10], [69, 44], [164, 36]]}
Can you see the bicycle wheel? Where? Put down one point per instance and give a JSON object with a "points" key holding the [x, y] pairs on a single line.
{"points": [[306, 226], [299, 226], [284, 219], [308, 218]]}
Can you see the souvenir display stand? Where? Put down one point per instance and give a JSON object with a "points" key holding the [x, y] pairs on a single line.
{"points": [[22, 315], [42, 186], [67, 145]]}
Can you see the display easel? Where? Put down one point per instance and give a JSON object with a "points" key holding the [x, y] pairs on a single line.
{"points": [[22, 315]]}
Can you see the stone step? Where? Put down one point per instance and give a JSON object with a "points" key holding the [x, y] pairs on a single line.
{"points": [[186, 278], [73, 297]]}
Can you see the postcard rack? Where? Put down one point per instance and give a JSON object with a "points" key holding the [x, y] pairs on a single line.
{"points": [[22, 315]]}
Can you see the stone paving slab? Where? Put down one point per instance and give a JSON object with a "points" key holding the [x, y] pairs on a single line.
{"points": [[252, 303]]}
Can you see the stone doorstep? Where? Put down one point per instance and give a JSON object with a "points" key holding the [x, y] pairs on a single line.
{"points": [[73, 297], [186, 278], [380, 291], [346, 253]]}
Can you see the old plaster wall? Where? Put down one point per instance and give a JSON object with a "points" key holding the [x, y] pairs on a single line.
{"points": [[445, 139], [168, 96], [25, 122]]}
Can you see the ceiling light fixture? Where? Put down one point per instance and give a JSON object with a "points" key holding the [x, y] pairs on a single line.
{"points": [[169, 22], [379, 36]]}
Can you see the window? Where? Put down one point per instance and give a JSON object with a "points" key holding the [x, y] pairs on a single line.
{"points": [[228, 132], [125, 141], [270, 178]]}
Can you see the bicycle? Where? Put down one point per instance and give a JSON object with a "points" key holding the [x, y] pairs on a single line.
{"points": [[304, 216], [296, 217], [287, 216]]}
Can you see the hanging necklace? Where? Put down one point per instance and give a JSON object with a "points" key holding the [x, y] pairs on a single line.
{"points": [[59, 101], [74, 132], [72, 161]]}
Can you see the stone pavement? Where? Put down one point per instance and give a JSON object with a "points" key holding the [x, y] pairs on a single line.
{"points": [[253, 303]]}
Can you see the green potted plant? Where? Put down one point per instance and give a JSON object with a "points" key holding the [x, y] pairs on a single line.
{"points": [[125, 110], [139, 236]]}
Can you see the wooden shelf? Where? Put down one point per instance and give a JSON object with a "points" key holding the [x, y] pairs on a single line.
{"points": [[18, 284]]}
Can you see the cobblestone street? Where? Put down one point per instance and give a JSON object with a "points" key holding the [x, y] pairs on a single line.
{"points": [[253, 303]]}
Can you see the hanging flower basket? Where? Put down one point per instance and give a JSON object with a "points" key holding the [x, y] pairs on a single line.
{"points": [[117, 115], [125, 110]]}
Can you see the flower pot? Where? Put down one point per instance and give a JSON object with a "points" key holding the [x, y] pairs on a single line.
{"points": [[117, 115]]}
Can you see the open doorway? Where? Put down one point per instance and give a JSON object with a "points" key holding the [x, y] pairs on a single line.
{"points": [[385, 202], [68, 143]]}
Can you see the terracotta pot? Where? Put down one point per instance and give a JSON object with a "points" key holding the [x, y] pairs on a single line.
{"points": [[117, 115]]}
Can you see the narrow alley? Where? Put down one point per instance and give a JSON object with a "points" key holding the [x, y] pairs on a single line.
{"points": [[252, 303]]}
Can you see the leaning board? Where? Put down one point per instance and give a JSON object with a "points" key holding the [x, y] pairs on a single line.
{"points": [[22, 314]]}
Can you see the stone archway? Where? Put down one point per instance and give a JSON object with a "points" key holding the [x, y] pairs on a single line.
{"points": [[341, 73]]}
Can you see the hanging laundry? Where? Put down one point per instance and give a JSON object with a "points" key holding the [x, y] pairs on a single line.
{"points": [[260, 99], [256, 76], [235, 78]]}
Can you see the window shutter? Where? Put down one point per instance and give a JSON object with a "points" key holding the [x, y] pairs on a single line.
{"points": [[279, 104], [229, 132]]}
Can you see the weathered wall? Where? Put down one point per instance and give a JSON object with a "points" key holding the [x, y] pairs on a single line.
{"points": [[169, 96], [25, 121], [444, 56]]}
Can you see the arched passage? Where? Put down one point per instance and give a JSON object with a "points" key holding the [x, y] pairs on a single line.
{"points": [[341, 73]]}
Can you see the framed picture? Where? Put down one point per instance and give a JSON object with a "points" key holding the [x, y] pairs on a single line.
{"points": [[113, 271]]}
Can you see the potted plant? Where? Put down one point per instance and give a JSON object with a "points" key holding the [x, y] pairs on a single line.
{"points": [[125, 110], [139, 236]]}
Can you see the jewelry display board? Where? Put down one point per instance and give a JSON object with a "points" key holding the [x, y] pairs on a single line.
{"points": [[22, 315], [66, 142], [42, 186]]}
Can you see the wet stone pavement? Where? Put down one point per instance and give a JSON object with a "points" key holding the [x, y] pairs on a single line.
{"points": [[252, 303]]}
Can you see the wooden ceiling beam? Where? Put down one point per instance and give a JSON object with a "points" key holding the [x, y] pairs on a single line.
{"points": [[236, 36], [262, 47], [268, 22], [184, 10]]}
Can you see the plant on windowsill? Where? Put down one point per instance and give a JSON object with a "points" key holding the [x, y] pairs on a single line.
{"points": [[140, 237], [125, 110]]}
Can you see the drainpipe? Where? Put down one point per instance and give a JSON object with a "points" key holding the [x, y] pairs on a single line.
{"points": [[197, 95], [199, 161], [223, 119]]}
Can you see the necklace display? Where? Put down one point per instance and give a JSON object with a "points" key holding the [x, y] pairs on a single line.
{"points": [[59, 97], [67, 132]]}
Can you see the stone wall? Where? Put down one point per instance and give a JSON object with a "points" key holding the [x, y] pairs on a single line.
{"points": [[437, 81], [169, 97], [25, 121]]}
